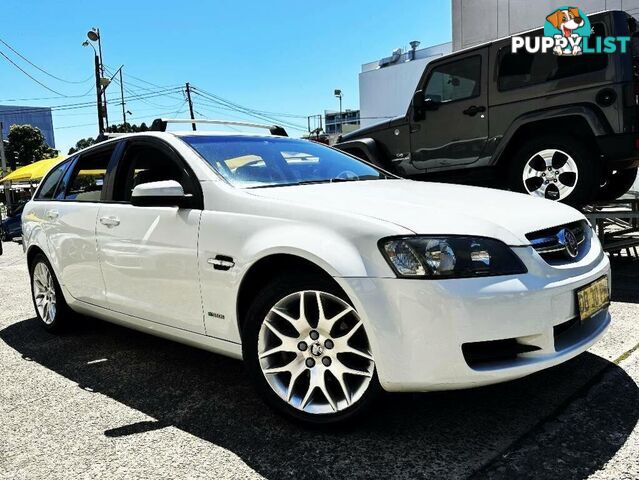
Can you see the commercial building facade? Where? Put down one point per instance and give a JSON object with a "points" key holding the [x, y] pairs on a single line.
{"points": [[39, 117]]}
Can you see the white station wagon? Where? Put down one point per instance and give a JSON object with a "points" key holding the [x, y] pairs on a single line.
{"points": [[331, 278]]}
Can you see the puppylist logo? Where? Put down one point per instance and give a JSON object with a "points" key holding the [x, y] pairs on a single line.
{"points": [[567, 31]]}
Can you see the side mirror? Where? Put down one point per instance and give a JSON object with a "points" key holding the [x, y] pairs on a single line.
{"points": [[432, 103], [168, 193]]}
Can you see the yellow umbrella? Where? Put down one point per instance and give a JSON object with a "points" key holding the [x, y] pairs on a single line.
{"points": [[34, 172]]}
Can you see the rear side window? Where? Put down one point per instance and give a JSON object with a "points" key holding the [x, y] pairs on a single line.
{"points": [[523, 69], [48, 188], [455, 80], [87, 180]]}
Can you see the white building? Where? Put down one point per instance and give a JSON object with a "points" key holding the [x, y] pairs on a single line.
{"points": [[386, 86], [479, 21]]}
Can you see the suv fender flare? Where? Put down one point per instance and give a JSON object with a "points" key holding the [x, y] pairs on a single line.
{"points": [[368, 147], [594, 121]]}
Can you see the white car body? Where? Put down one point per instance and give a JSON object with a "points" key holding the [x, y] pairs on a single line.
{"points": [[152, 268]]}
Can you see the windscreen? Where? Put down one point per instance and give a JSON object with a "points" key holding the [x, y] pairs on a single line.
{"points": [[252, 162]]}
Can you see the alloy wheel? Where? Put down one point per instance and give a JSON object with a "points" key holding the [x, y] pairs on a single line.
{"points": [[551, 174], [314, 352], [44, 293]]}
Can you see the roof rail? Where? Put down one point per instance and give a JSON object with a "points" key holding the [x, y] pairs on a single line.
{"points": [[159, 124]]}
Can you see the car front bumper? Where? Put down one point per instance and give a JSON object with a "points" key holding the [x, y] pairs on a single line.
{"points": [[420, 329]]}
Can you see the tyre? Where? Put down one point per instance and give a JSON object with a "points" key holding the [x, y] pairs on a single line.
{"points": [[617, 184], [51, 309], [556, 168], [307, 352]]}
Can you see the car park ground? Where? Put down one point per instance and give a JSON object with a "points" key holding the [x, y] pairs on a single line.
{"points": [[104, 401]]}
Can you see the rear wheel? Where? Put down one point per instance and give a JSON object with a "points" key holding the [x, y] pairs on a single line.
{"points": [[51, 308], [618, 183], [555, 168], [308, 353]]}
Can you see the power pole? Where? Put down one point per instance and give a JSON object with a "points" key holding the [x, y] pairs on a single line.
{"points": [[188, 96], [98, 92], [122, 97], [3, 160]]}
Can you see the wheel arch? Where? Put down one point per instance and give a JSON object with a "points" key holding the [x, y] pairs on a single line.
{"points": [[272, 266], [580, 122], [32, 252], [365, 149]]}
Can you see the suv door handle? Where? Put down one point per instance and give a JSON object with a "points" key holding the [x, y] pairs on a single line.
{"points": [[52, 214], [474, 110], [110, 221]]}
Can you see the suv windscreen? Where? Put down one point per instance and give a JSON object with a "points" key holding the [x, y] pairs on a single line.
{"points": [[249, 162], [523, 69]]}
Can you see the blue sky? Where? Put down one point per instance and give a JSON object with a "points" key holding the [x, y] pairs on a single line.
{"points": [[275, 56]]}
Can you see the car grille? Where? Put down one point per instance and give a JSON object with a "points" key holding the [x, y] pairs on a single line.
{"points": [[551, 243]]}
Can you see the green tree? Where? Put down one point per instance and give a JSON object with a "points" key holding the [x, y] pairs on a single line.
{"points": [[80, 144], [28, 145], [127, 128]]}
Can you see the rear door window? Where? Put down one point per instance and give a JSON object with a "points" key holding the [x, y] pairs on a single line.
{"points": [[523, 69], [87, 180]]}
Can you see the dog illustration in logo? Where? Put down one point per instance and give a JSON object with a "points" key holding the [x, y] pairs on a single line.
{"points": [[566, 21]]}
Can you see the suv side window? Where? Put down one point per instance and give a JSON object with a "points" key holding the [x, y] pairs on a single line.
{"points": [[48, 188], [87, 179], [457, 80], [523, 69], [146, 163]]}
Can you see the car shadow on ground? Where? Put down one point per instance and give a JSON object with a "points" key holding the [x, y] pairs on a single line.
{"points": [[436, 435]]}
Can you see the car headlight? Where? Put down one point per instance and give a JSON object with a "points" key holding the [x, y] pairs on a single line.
{"points": [[449, 257]]}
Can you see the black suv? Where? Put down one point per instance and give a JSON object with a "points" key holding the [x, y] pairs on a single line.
{"points": [[560, 127]]}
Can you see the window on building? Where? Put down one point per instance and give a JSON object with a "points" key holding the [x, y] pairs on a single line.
{"points": [[455, 80]]}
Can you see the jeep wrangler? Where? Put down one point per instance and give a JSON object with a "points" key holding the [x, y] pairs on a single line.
{"points": [[565, 128]]}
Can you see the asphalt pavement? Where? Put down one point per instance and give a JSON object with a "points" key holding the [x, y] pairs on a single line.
{"points": [[103, 401]]}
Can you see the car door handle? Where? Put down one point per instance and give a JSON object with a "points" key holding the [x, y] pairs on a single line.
{"points": [[110, 221], [474, 110], [53, 214]]}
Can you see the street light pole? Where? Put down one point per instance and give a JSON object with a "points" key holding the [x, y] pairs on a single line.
{"points": [[3, 160], [338, 94], [122, 97], [98, 92], [104, 99]]}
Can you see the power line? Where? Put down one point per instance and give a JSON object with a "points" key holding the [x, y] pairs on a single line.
{"points": [[245, 110], [42, 69], [28, 75], [74, 106]]}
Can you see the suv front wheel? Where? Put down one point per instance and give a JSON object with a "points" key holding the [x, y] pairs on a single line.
{"points": [[555, 168]]}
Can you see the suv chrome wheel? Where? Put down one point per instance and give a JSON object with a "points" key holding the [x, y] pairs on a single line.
{"points": [[314, 352], [551, 174], [44, 293]]}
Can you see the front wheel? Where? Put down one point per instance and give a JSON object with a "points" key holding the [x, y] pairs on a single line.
{"points": [[555, 168], [308, 352]]}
